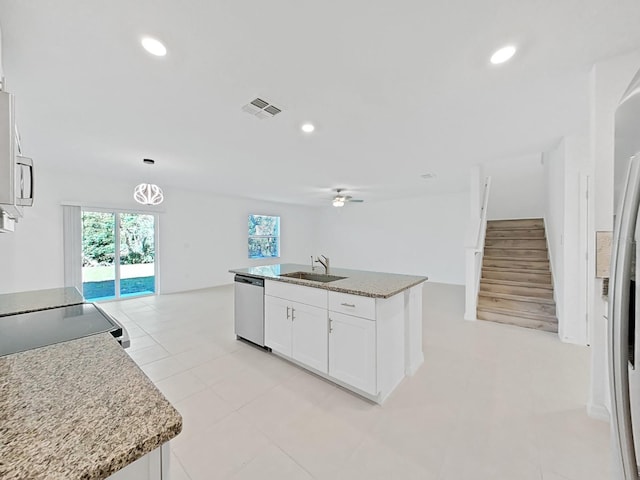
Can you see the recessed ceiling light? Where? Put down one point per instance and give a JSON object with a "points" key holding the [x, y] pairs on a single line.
{"points": [[308, 128], [154, 46], [503, 54]]}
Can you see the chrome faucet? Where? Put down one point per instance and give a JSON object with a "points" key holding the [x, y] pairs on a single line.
{"points": [[324, 263]]}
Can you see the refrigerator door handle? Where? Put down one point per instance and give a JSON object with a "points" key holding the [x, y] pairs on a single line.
{"points": [[619, 323]]}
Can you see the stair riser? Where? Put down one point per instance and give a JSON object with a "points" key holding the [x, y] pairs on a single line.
{"points": [[542, 278], [523, 264], [511, 243], [512, 252], [518, 321], [524, 223], [538, 308], [515, 290], [518, 233]]}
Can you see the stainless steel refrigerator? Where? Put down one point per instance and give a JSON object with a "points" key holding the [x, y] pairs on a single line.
{"points": [[624, 337]]}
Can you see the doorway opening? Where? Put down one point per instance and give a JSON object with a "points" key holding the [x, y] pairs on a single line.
{"points": [[118, 255]]}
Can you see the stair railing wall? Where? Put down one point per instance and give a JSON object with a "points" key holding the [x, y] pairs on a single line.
{"points": [[474, 255]]}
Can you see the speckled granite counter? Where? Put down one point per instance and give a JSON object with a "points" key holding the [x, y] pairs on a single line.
{"points": [[24, 302], [78, 410], [358, 282]]}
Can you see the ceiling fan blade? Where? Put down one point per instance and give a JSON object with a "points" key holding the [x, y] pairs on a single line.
{"points": [[355, 200]]}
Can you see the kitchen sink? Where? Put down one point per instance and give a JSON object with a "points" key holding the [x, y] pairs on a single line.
{"points": [[314, 277]]}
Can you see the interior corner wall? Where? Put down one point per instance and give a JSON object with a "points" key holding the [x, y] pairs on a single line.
{"points": [[608, 81], [418, 236], [517, 188], [201, 236]]}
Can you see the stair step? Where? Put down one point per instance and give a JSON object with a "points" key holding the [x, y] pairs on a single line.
{"points": [[534, 316], [518, 298], [517, 233], [491, 281], [520, 288], [515, 263], [537, 322], [516, 275], [516, 224], [520, 243], [539, 306], [515, 252]]}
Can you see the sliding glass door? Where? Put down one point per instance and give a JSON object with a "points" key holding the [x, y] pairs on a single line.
{"points": [[137, 254], [118, 255]]}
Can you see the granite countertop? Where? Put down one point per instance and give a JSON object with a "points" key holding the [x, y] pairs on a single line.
{"points": [[358, 282], [23, 302], [78, 410]]}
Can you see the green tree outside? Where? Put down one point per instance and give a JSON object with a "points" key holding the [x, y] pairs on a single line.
{"points": [[98, 239]]}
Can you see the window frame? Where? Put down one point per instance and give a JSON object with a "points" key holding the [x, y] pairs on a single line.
{"points": [[250, 237]]}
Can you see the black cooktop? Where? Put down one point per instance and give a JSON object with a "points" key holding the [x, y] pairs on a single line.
{"points": [[26, 331]]}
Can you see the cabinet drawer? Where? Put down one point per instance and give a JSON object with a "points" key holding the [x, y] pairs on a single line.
{"points": [[296, 293], [356, 305]]}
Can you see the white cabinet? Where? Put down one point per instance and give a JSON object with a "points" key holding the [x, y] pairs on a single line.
{"points": [[355, 305], [309, 343], [362, 343], [277, 325], [297, 331], [352, 351], [152, 466]]}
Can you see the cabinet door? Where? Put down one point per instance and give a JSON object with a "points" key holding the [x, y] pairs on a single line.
{"points": [[310, 342], [277, 325], [352, 351]]}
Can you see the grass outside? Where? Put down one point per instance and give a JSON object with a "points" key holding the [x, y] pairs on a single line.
{"points": [[99, 274]]}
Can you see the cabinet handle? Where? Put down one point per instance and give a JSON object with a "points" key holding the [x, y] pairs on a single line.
{"points": [[352, 305], [330, 325], [288, 313], [293, 310]]}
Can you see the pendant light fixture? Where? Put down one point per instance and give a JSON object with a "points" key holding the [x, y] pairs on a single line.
{"points": [[148, 193]]}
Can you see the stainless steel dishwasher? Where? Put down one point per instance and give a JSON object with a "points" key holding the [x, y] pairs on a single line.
{"points": [[249, 309]]}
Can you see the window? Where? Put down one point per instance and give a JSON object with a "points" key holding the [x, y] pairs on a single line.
{"points": [[264, 236], [118, 254]]}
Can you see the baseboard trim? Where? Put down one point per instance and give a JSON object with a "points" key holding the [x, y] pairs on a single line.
{"points": [[573, 341], [598, 412]]}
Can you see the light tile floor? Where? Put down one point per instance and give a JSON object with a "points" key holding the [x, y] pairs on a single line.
{"points": [[490, 402]]}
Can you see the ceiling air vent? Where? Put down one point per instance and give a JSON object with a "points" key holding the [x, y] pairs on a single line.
{"points": [[261, 109]]}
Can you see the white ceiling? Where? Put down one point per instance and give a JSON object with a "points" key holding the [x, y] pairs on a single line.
{"points": [[395, 88]]}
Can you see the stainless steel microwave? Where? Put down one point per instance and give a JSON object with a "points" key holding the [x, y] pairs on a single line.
{"points": [[16, 171]]}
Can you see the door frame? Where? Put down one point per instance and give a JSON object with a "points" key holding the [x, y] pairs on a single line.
{"points": [[116, 212]]}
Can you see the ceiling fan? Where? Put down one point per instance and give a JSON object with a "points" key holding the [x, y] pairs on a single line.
{"points": [[340, 199]]}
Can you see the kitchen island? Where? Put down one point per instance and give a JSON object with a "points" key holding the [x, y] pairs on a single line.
{"points": [[361, 330], [356, 282], [80, 409]]}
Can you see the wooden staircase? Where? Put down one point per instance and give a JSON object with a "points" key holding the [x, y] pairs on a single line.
{"points": [[516, 285]]}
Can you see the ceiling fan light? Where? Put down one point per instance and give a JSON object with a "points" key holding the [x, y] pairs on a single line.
{"points": [[148, 194], [338, 202]]}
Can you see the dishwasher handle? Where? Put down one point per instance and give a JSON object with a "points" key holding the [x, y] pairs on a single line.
{"points": [[258, 282]]}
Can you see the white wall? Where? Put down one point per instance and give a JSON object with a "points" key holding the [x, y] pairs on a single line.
{"points": [[565, 214], [204, 236], [554, 166], [201, 235], [420, 236], [609, 79], [517, 188]]}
